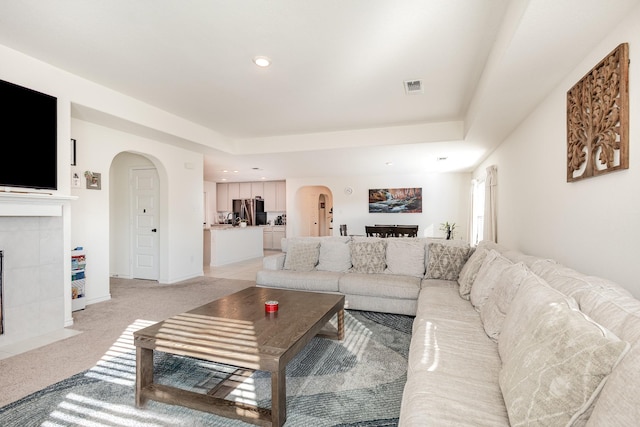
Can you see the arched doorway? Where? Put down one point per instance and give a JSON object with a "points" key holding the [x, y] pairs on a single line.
{"points": [[134, 242], [315, 204]]}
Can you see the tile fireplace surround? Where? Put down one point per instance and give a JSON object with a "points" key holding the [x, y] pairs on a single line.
{"points": [[32, 240]]}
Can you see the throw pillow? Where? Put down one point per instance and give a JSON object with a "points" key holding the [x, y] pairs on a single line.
{"points": [[533, 288], [558, 368], [488, 275], [367, 257], [302, 256], [494, 310], [445, 262], [405, 258], [469, 272], [334, 256]]}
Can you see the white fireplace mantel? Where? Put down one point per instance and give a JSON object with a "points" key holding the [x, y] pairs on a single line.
{"points": [[32, 204]]}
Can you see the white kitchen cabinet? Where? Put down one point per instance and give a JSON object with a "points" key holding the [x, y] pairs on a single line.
{"points": [[275, 196], [234, 193], [278, 234], [270, 196], [281, 196], [245, 190], [272, 237], [222, 197], [267, 240], [257, 189]]}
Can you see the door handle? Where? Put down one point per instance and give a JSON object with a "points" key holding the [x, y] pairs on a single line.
{"points": [[153, 230]]}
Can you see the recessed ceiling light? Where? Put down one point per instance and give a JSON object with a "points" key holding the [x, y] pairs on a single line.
{"points": [[262, 61], [224, 179], [389, 163], [235, 171], [440, 159]]}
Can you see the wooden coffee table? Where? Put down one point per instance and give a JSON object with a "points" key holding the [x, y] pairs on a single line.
{"points": [[236, 330]]}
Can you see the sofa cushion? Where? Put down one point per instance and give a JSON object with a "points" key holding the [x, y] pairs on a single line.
{"points": [[405, 258], [302, 256], [429, 240], [445, 261], [334, 256], [495, 308], [287, 241], [558, 367], [469, 272], [319, 281], [380, 285], [453, 367], [489, 274], [368, 256], [521, 310]]}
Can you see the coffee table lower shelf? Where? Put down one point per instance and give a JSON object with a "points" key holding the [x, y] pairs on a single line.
{"points": [[206, 403]]}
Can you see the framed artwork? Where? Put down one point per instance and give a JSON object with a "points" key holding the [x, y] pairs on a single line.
{"points": [[94, 181], [73, 152], [395, 200], [598, 119]]}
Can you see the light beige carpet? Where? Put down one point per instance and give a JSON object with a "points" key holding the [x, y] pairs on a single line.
{"points": [[101, 325]]}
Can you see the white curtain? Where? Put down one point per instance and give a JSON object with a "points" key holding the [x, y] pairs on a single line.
{"points": [[470, 227], [490, 231]]}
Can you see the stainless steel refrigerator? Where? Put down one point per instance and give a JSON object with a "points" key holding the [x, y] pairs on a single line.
{"points": [[251, 210]]}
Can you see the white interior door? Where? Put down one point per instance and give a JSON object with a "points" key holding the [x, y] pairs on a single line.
{"points": [[145, 241]]}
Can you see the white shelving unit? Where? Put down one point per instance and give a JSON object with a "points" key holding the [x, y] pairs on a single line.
{"points": [[78, 264]]}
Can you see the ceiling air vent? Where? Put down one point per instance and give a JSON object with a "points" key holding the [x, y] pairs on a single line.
{"points": [[413, 87]]}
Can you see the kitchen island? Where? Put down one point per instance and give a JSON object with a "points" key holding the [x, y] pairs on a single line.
{"points": [[225, 244]]}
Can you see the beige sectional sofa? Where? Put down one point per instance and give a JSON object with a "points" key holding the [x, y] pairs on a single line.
{"points": [[374, 274], [512, 339]]}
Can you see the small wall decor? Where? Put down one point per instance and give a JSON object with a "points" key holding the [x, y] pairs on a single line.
{"points": [[598, 118], [73, 152], [395, 200], [93, 180]]}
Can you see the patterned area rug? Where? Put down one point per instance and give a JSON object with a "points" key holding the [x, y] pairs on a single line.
{"points": [[357, 382]]}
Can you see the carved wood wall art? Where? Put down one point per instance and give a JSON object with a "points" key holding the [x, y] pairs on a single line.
{"points": [[598, 118]]}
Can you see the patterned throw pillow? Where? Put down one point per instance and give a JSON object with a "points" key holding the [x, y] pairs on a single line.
{"points": [[445, 262], [470, 271], [488, 275], [302, 256], [494, 310], [368, 257], [558, 367]]}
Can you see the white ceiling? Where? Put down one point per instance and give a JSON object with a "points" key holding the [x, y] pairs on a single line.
{"points": [[333, 100]]}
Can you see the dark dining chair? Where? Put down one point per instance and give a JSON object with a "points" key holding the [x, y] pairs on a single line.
{"points": [[406, 231], [379, 231]]}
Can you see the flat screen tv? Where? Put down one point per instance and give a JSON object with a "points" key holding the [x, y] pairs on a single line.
{"points": [[28, 136]]}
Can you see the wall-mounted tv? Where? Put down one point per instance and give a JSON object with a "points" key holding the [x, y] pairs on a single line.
{"points": [[28, 137]]}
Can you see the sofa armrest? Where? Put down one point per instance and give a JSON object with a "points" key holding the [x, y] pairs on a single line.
{"points": [[273, 262]]}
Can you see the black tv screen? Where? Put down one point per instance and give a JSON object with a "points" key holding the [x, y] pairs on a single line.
{"points": [[28, 136]]}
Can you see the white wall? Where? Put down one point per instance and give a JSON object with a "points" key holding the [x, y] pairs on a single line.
{"points": [[591, 225], [181, 205], [445, 197], [210, 194]]}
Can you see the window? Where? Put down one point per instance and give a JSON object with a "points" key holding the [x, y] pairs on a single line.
{"points": [[477, 211]]}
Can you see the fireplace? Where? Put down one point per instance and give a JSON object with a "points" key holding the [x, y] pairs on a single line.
{"points": [[1, 275], [33, 285]]}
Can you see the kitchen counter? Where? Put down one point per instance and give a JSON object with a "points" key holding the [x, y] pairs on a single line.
{"points": [[225, 244]]}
